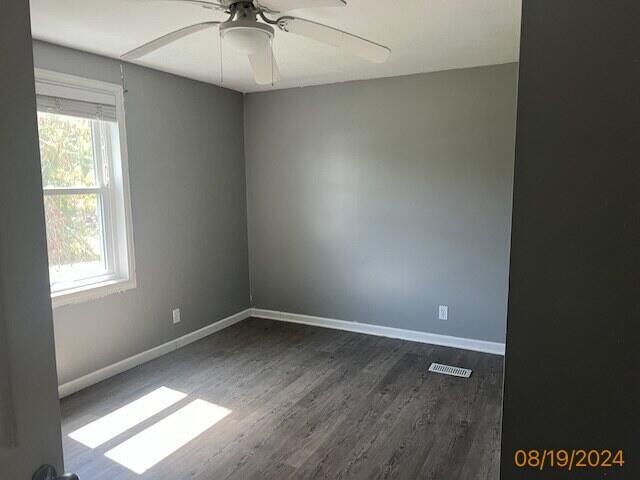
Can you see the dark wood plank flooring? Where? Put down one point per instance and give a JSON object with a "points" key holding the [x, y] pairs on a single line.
{"points": [[308, 403]]}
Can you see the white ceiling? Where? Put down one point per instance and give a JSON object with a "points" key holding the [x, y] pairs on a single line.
{"points": [[424, 36]]}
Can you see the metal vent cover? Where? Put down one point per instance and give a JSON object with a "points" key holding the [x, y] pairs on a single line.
{"points": [[449, 370]]}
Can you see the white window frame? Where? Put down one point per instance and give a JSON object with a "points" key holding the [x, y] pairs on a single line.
{"points": [[115, 193]]}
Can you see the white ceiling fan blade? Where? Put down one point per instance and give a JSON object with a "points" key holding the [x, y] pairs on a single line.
{"points": [[284, 5], [353, 44], [202, 3], [166, 39], [264, 66]]}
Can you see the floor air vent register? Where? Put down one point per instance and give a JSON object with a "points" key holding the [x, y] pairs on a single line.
{"points": [[449, 370]]}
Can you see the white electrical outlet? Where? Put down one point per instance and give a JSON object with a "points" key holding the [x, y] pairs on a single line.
{"points": [[176, 315], [443, 312]]}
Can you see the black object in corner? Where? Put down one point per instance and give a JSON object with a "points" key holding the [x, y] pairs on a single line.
{"points": [[48, 472]]}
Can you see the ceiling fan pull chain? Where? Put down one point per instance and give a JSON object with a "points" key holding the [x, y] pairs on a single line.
{"points": [[271, 60], [221, 62]]}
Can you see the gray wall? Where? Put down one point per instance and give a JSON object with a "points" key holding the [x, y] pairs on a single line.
{"points": [[29, 408], [377, 201], [571, 368], [189, 215]]}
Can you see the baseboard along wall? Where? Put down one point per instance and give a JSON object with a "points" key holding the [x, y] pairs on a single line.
{"points": [[484, 346], [128, 363], [85, 381]]}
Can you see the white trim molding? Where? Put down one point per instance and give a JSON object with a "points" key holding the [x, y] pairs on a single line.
{"points": [[85, 381], [484, 346]]}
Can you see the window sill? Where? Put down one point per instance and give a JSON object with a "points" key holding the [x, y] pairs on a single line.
{"points": [[93, 291]]}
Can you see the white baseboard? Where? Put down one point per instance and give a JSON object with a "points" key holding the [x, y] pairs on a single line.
{"points": [[367, 328], [128, 363]]}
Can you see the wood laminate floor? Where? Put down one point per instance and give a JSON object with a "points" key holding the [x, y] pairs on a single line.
{"points": [[305, 403]]}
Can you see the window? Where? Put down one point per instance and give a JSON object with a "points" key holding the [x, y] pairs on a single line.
{"points": [[85, 185]]}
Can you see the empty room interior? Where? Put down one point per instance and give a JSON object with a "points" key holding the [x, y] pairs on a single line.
{"points": [[277, 235]]}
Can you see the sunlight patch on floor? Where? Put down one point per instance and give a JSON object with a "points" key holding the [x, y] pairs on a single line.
{"points": [[119, 421], [147, 448]]}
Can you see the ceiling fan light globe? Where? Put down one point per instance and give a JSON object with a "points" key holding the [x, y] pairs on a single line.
{"points": [[248, 38]]}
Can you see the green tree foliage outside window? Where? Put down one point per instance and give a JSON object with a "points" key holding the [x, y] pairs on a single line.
{"points": [[68, 160]]}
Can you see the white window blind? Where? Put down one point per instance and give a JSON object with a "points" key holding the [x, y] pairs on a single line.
{"points": [[76, 108]]}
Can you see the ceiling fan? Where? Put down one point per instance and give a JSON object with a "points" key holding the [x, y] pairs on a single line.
{"points": [[250, 31]]}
